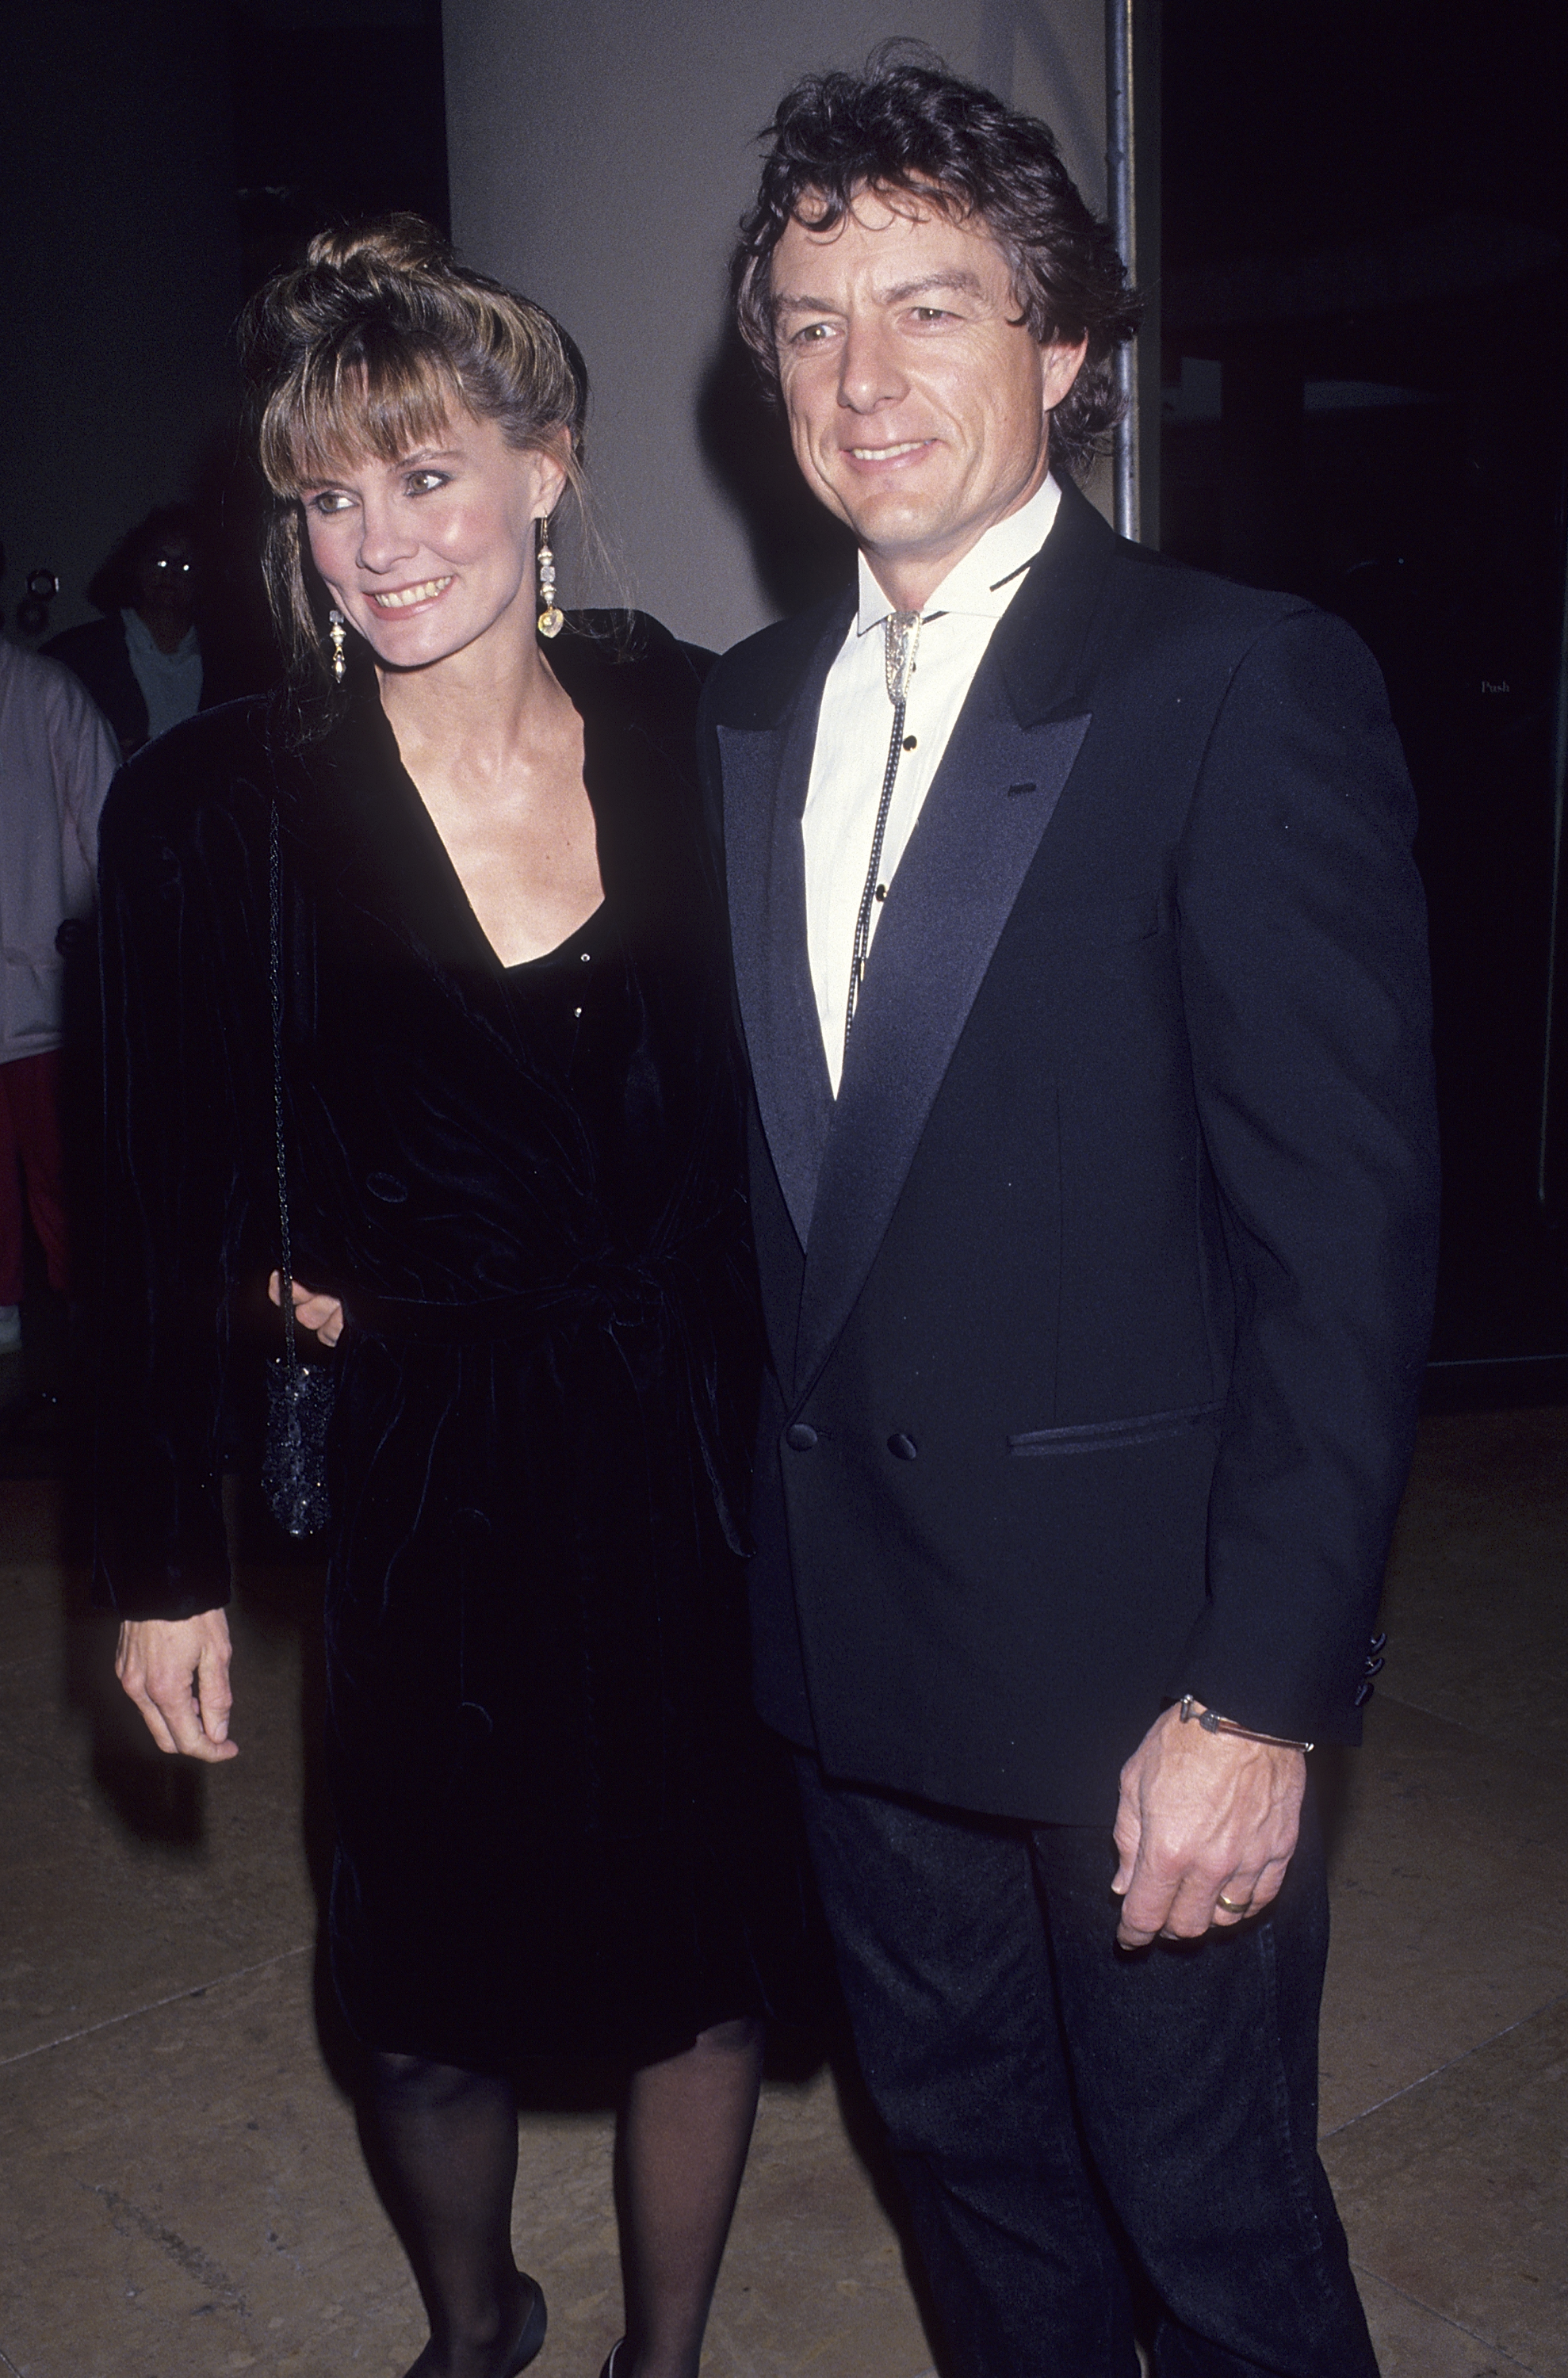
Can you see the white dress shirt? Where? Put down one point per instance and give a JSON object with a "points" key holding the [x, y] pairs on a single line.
{"points": [[855, 724]]}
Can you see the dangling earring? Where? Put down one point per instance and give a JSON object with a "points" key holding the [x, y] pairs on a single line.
{"points": [[551, 621], [335, 628]]}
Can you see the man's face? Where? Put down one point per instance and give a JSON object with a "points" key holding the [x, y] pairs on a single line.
{"points": [[918, 405], [165, 578]]}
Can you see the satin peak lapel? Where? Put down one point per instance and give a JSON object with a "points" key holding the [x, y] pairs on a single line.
{"points": [[766, 774], [982, 823]]}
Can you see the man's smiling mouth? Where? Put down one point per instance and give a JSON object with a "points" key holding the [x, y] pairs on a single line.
{"points": [[888, 454], [406, 595]]}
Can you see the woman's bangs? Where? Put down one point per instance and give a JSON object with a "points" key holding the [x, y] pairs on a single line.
{"points": [[352, 407]]}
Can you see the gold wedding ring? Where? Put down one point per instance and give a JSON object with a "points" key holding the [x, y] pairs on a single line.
{"points": [[1231, 1907]]}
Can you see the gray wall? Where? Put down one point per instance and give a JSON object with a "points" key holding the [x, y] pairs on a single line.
{"points": [[601, 154], [119, 275]]}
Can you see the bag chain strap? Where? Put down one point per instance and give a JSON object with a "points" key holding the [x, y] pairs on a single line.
{"points": [[285, 1296]]}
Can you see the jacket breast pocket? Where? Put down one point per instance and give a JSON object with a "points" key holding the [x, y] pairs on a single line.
{"points": [[1110, 1435]]}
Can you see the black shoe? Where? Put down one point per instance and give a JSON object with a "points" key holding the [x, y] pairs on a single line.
{"points": [[526, 2345], [531, 2335], [608, 2370]]}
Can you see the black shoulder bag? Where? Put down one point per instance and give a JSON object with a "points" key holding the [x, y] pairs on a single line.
{"points": [[299, 1395]]}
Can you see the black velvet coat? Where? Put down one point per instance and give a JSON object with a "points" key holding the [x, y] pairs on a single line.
{"points": [[553, 1829]]}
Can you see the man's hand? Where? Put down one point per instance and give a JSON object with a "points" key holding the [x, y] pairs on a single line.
{"points": [[322, 1314], [177, 1671], [1202, 1815]]}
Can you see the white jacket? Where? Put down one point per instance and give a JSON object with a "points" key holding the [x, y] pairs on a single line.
{"points": [[57, 758]]}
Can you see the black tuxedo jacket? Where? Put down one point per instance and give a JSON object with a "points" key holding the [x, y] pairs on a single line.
{"points": [[1098, 1299]]}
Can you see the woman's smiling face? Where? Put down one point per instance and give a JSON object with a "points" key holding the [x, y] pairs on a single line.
{"points": [[428, 554]]}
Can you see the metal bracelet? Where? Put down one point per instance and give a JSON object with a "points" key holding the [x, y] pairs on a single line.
{"points": [[1212, 1722]]}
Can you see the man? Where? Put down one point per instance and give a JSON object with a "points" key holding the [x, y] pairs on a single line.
{"points": [[142, 662], [1081, 962]]}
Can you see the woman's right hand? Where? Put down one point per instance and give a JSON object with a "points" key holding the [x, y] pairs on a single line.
{"points": [[322, 1314], [177, 1671]]}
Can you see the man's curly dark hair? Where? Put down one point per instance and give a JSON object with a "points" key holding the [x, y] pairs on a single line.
{"points": [[908, 124]]}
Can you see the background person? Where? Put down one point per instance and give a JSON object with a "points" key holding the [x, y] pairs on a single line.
{"points": [[513, 1152], [142, 662], [1083, 966], [57, 758]]}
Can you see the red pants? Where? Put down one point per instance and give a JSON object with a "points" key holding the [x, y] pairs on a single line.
{"points": [[31, 1150]]}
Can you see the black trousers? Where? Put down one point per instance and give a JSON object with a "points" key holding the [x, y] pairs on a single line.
{"points": [[1058, 2108]]}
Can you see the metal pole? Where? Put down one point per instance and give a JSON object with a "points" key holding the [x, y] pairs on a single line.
{"points": [[1119, 181]]}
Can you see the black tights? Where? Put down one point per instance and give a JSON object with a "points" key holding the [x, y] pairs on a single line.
{"points": [[450, 2141]]}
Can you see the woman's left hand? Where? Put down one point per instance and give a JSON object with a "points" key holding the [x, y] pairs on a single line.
{"points": [[322, 1314]]}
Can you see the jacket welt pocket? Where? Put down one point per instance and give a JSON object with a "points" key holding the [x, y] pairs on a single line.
{"points": [[1101, 924], [1110, 1436]]}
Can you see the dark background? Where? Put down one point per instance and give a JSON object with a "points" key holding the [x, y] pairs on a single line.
{"points": [[338, 113], [1365, 215], [159, 159]]}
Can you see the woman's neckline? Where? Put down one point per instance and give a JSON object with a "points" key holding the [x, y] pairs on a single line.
{"points": [[578, 933]]}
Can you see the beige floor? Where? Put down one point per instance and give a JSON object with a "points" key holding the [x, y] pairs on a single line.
{"points": [[182, 2189]]}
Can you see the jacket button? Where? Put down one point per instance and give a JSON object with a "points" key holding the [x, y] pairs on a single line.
{"points": [[798, 1436], [902, 1448]]}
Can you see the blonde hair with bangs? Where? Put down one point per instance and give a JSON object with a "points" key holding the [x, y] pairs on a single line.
{"points": [[368, 348]]}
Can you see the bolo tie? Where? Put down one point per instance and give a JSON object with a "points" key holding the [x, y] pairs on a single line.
{"points": [[900, 635]]}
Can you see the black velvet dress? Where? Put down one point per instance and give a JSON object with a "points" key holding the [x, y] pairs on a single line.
{"points": [[557, 1824]]}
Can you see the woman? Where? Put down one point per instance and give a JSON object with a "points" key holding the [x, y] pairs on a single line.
{"points": [[511, 1141]]}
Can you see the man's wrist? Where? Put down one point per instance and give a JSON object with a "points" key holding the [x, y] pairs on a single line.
{"points": [[1212, 1722]]}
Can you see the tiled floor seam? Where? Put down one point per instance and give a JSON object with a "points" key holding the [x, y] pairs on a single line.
{"points": [[1451, 2065], [195, 1991], [1487, 2344]]}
